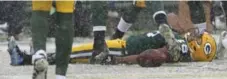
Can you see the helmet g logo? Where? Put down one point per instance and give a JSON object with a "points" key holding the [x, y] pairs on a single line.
{"points": [[207, 48]]}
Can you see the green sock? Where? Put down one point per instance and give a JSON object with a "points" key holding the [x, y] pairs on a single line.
{"points": [[64, 40], [39, 23]]}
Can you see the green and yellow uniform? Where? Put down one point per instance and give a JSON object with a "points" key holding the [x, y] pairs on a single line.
{"points": [[132, 46], [118, 47], [64, 30]]}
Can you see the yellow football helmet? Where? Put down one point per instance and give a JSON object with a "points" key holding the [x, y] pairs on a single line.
{"points": [[203, 49]]}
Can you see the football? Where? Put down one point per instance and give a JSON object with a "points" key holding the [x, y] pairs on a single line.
{"points": [[151, 58]]}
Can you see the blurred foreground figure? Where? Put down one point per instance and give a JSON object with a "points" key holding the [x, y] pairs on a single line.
{"points": [[64, 37]]}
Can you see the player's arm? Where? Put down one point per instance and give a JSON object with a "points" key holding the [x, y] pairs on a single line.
{"points": [[207, 11], [184, 16], [147, 58]]}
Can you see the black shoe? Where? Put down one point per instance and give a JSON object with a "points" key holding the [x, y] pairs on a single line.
{"points": [[110, 60], [99, 56], [160, 17], [117, 34]]}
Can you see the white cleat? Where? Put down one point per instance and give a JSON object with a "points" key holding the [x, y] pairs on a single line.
{"points": [[39, 60]]}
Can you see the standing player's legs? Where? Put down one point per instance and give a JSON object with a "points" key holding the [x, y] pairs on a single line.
{"points": [[128, 18], [40, 12], [99, 17], [39, 23], [64, 36]]}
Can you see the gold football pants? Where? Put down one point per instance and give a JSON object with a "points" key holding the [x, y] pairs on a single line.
{"points": [[61, 6]]}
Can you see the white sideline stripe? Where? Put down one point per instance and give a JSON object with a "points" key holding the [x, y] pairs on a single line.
{"points": [[99, 28], [90, 53]]}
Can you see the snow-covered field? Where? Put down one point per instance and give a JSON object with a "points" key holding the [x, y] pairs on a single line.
{"points": [[194, 70]]}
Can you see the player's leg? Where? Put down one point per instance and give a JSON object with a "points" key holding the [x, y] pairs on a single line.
{"points": [[40, 12], [39, 22], [17, 15], [160, 18], [218, 15], [12, 13], [128, 18], [64, 36], [221, 48], [147, 58], [19, 57], [224, 4], [15, 57], [99, 17]]}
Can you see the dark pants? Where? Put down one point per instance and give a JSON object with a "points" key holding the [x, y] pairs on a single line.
{"points": [[13, 12]]}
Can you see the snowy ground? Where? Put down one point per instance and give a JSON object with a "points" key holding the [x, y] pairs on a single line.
{"points": [[194, 70]]}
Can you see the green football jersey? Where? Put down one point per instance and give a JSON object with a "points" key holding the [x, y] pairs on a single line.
{"points": [[139, 43], [154, 40], [185, 55]]}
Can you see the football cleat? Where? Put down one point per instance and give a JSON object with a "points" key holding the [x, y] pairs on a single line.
{"points": [[16, 58], [39, 60], [160, 17], [99, 57]]}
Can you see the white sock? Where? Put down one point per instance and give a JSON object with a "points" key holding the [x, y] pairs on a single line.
{"points": [[99, 28], [60, 77], [123, 26]]}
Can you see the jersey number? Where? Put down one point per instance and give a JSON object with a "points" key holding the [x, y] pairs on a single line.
{"points": [[152, 34], [184, 48]]}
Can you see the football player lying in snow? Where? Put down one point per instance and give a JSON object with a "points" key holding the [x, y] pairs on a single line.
{"points": [[147, 50]]}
